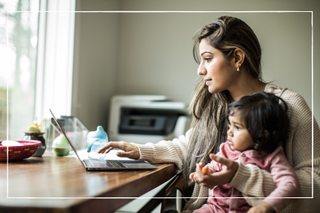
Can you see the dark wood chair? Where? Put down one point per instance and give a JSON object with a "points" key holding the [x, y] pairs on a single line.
{"points": [[176, 183]]}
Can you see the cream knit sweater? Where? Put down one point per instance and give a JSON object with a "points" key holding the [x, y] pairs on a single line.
{"points": [[302, 151]]}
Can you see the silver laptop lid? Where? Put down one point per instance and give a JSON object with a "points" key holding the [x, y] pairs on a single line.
{"points": [[64, 133]]}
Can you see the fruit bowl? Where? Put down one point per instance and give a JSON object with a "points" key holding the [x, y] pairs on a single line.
{"points": [[27, 149]]}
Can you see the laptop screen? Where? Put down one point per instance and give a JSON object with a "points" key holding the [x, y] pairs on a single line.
{"points": [[64, 133]]}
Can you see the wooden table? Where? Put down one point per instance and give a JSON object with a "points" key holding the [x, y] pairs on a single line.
{"points": [[61, 184]]}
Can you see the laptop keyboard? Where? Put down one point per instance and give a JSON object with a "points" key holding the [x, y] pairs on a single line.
{"points": [[115, 164], [107, 163]]}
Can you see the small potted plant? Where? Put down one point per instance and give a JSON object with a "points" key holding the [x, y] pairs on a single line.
{"points": [[34, 133]]}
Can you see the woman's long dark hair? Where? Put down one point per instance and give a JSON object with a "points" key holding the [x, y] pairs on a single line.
{"points": [[210, 110]]}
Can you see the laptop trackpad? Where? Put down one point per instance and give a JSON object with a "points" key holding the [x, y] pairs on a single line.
{"points": [[137, 164]]}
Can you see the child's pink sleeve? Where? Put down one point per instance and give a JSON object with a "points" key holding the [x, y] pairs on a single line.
{"points": [[214, 166]]}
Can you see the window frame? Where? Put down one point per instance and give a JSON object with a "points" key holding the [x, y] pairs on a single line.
{"points": [[55, 58]]}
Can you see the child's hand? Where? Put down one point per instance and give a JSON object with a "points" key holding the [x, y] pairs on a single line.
{"points": [[205, 170], [197, 176], [263, 207], [200, 175], [216, 177]]}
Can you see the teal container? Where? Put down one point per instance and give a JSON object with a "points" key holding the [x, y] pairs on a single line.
{"points": [[96, 140]]}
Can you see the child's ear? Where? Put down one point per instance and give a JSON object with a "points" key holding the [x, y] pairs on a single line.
{"points": [[266, 133]]}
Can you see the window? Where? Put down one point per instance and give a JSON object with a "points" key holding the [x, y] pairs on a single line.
{"points": [[18, 42], [37, 46], [55, 58]]}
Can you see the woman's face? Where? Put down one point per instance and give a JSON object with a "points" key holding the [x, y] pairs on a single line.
{"points": [[218, 72]]}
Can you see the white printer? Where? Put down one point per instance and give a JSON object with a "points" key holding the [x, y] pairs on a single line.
{"points": [[146, 118]]}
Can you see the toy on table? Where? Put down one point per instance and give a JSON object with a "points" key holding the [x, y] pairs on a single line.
{"points": [[34, 133], [61, 146]]}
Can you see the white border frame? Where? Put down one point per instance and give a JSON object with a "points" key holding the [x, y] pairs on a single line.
{"points": [[99, 198]]}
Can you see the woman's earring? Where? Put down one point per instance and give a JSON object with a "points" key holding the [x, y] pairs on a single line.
{"points": [[238, 68]]}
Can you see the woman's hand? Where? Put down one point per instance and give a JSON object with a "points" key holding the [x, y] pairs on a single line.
{"points": [[263, 207], [212, 179], [129, 150]]}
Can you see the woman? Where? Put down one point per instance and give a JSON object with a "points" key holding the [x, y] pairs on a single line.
{"points": [[230, 56]]}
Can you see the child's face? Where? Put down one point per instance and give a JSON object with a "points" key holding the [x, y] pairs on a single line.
{"points": [[238, 135]]}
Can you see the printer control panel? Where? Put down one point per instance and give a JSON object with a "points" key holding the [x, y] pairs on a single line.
{"points": [[147, 121]]}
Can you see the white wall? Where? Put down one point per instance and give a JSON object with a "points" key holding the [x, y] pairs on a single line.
{"points": [[95, 62], [151, 53]]}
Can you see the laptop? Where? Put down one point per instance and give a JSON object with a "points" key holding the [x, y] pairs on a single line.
{"points": [[106, 165]]}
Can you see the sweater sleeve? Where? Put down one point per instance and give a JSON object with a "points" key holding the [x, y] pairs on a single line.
{"points": [[303, 153], [285, 179], [166, 151]]}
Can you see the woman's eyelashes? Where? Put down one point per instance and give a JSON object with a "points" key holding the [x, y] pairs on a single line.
{"points": [[208, 59]]}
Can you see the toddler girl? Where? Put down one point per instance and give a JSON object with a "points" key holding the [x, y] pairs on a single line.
{"points": [[258, 126]]}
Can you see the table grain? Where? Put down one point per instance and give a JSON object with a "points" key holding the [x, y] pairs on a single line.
{"points": [[61, 184]]}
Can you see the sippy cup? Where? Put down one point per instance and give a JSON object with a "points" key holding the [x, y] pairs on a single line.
{"points": [[95, 140]]}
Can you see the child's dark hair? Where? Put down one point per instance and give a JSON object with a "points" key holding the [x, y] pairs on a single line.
{"points": [[263, 111]]}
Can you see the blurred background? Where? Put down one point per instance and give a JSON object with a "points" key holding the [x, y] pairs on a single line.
{"points": [[74, 56]]}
